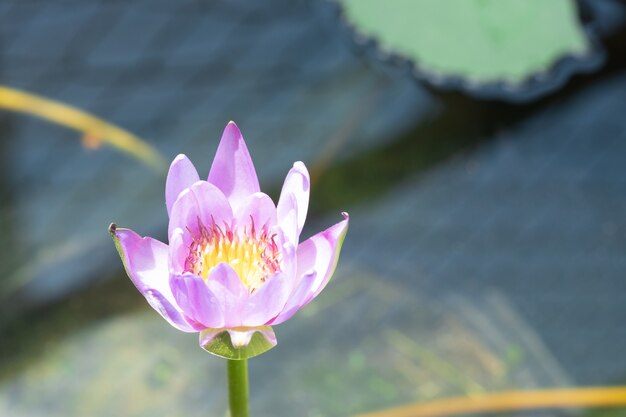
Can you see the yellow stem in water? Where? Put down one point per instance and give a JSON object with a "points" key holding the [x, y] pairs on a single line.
{"points": [[511, 401], [93, 128]]}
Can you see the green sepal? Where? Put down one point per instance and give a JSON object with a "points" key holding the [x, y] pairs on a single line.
{"points": [[112, 231], [238, 343]]}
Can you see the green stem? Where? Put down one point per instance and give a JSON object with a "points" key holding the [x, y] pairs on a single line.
{"points": [[238, 387]]}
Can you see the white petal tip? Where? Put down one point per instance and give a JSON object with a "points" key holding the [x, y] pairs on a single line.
{"points": [[240, 339]]}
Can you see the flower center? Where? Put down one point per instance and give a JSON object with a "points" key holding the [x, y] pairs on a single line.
{"points": [[253, 254]]}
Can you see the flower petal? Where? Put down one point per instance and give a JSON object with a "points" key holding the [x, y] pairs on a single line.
{"points": [[295, 193], [182, 174], [297, 299], [232, 170], [145, 261], [178, 252], [321, 253], [202, 201], [265, 303], [288, 219], [196, 300], [317, 259], [260, 208], [230, 292]]}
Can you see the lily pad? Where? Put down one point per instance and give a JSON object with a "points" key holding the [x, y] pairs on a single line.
{"points": [[487, 47]]}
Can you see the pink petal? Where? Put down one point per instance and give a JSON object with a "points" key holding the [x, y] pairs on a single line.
{"points": [[260, 208], [297, 298], [178, 252], [321, 253], [232, 170], [317, 259], [230, 292], [182, 174], [294, 198], [267, 301], [202, 201], [288, 218], [145, 260], [196, 300]]}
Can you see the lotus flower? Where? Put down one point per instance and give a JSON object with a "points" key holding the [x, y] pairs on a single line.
{"points": [[234, 265]]}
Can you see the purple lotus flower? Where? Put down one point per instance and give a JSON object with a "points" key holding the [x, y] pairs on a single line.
{"points": [[234, 265]]}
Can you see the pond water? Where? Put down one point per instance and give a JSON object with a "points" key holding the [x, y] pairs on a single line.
{"points": [[486, 245]]}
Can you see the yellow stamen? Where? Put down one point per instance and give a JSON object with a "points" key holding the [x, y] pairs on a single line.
{"points": [[254, 257]]}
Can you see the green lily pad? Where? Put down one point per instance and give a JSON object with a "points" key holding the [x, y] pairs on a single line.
{"points": [[479, 41]]}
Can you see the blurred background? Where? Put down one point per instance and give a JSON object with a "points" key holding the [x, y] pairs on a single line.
{"points": [[480, 148]]}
